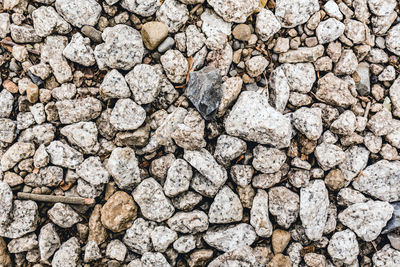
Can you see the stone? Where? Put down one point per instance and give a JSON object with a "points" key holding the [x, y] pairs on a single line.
{"points": [[153, 204], [268, 160], [284, 204], [266, 24], [92, 252], [24, 34], [234, 10], [355, 31], [185, 244], [114, 86], [116, 250], [228, 238], [7, 130], [242, 32], [6, 103], [221, 59], [329, 155], [123, 167], [143, 8], [174, 14], [63, 215], [137, 237], [356, 160], [79, 51], [175, 66], [302, 54], [167, 44], [127, 115], [345, 124], [329, 30], [332, 9], [76, 110], [214, 24], [122, 48], [204, 91], [387, 256], [259, 217], [226, 207], [68, 254], [153, 33], [343, 247], [189, 222], [291, 14], [308, 121], [195, 40], [47, 21], [178, 178], [79, 13], [152, 259], [379, 180], [230, 90], [6, 201], [314, 259], [392, 40], [228, 148], [347, 63], [186, 201], [118, 212], [280, 239], [394, 222], [367, 219], [253, 119], [83, 135], [242, 174], [5, 24], [63, 155], [381, 8], [314, 204], [241, 256], [348, 196], [49, 241], [15, 153], [162, 237], [50, 176], [97, 232], [145, 83], [255, 66]]}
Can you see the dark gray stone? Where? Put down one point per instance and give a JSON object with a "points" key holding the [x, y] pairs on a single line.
{"points": [[204, 91], [394, 222]]}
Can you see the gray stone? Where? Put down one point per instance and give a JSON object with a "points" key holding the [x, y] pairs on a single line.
{"points": [[381, 8], [50, 176], [84, 109], [175, 66], [7, 130], [228, 148], [63, 215], [6, 201], [83, 135], [214, 24], [162, 237], [92, 252], [329, 30], [137, 237], [174, 14], [79, 13], [145, 83], [329, 155], [114, 86], [226, 207], [343, 247], [268, 160], [116, 250], [284, 204], [154, 259], [189, 222], [49, 241], [348, 196], [185, 244], [186, 201], [302, 54], [127, 115], [259, 217], [242, 256], [293, 13], [68, 254], [6, 103], [356, 160], [93, 171], [394, 222], [63, 155], [194, 40]]}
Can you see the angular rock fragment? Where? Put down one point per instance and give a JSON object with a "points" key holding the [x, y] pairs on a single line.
{"points": [[226, 207]]}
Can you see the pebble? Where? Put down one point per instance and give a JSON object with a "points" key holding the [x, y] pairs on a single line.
{"points": [[329, 30], [259, 217], [93, 171], [290, 14], [234, 11], [116, 250], [189, 222], [15, 153], [195, 40], [166, 45], [174, 14], [63, 155], [256, 65], [302, 54], [127, 115], [185, 244], [144, 8], [162, 237], [284, 204], [387, 256], [63, 215], [138, 237], [280, 240], [242, 32], [153, 33], [92, 252], [266, 24], [175, 66], [49, 241], [228, 148], [308, 121], [68, 253], [145, 83], [72, 111], [79, 51], [84, 135]]}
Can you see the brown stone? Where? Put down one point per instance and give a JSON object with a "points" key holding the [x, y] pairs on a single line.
{"points": [[97, 232], [335, 180], [32, 93], [280, 239], [242, 32], [200, 257], [10, 86], [153, 33], [280, 260], [5, 260], [119, 212]]}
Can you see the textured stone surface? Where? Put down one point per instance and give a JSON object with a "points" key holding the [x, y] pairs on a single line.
{"points": [[293, 13], [234, 10], [284, 204], [145, 83], [63, 215], [343, 247], [79, 13], [259, 217], [226, 207]]}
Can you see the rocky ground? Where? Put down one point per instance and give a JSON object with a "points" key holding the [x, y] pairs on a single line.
{"points": [[199, 133]]}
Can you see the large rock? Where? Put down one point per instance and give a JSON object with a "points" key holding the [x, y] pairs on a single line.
{"points": [[145, 83], [234, 10], [367, 219], [253, 119], [79, 12], [174, 14], [343, 247], [386, 257], [138, 237], [292, 13], [266, 24]]}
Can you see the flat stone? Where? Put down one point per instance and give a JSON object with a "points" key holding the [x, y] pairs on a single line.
{"points": [[84, 109], [189, 222], [63, 215], [234, 10], [214, 24], [241, 256]]}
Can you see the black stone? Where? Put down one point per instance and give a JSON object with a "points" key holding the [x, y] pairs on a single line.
{"points": [[394, 222], [204, 91], [35, 79]]}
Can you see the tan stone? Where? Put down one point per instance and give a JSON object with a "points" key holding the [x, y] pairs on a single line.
{"points": [[335, 180], [32, 93], [280, 260], [242, 32], [97, 232], [280, 240], [5, 260], [153, 33]]}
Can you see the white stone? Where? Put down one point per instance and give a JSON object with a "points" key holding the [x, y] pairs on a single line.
{"points": [[266, 24]]}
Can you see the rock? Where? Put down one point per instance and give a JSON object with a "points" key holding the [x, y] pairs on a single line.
{"points": [[83, 135], [356, 160], [221, 59], [284, 204], [49, 241], [116, 250], [253, 119], [394, 240], [123, 167], [92, 33], [242, 32], [300, 77], [15, 153], [189, 222], [347, 63], [314, 204], [24, 34], [291, 14], [280, 240], [348, 196], [173, 14], [143, 8], [214, 24], [228, 148], [50, 176], [341, 96], [84, 109], [241, 256], [6, 103], [259, 217], [167, 44], [185, 244], [5, 258], [302, 54], [204, 91], [127, 115], [213, 174], [153, 204], [343, 247], [194, 40], [47, 21], [266, 24], [394, 222], [114, 86], [314, 259], [152, 259], [68, 254], [329, 155], [137, 237], [186, 201], [234, 11], [6, 201], [230, 90], [63, 155], [268, 160], [92, 252], [118, 212], [145, 83], [308, 121], [332, 9], [153, 33], [93, 172], [97, 232], [367, 219], [386, 257], [79, 51], [381, 123], [122, 48], [228, 238], [162, 237], [175, 66], [379, 180], [23, 219], [355, 31], [7, 130], [178, 178], [329, 30], [392, 40], [79, 13], [226, 207], [345, 124], [63, 215], [5, 25], [255, 66], [242, 174]]}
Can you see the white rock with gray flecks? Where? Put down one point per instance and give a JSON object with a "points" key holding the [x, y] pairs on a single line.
{"points": [[284, 204], [92, 252], [63, 155], [153, 204], [345, 124], [380, 180], [343, 247], [145, 83], [268, 160], [68, 254], [314, 203], [63, 215], [49, 241], [356, 160], [114, 86], [83, 135], [367, 219], [76, 110], [329, 30], [6, 103], [392, 40], [127, 115], [266, 24], [185, 244], [214, 24], [386, 256], [79, 50], [292, 13], [47, 21], [122, 48], [226, 207], [23, 244], [229, 148], [79, 12], [347, 197], [92, 171], [143, 8], [15, 153], [162, 237], [194, 40], [234, 10], [308, 121], [178, 178], [138, 237], [6, 197], [228, 238], [329, 155], [175, 66], [189, 222], [259, 217], [116, 250], [253, 119], [124, 167], [174, 14], [153, 259]]}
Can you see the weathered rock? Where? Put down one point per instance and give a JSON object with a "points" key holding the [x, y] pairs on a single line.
{"points": [[143, 8], [114, 86], [335, 91], [189, 222], [47, 21], [280, 239], [97, 232], [284, 204], [347, 63], [255, 66], [387, 256], [6, 103], [309, 122], [63, 155], [343, 247], [92, 252], [268, 160], [178, 178], [175, 66], [381, 123], [259, 217], [329, 30], [137, 237], [49, 241], [266, 24], [116, 250], [162, 237], [226, 207], [153, 33], [79, 13], [228, 148], [293, 13], [302, 54], [6, 201], [392, 40], [68, 254], [145, 83], [84, 109], [173, 14], [63, 215], [152, 259], [234, 10], [241, 256], [83, 135], [127, 115], [185, 244], [394, 222], [79, 51], [15, 153], [329, 155]]}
